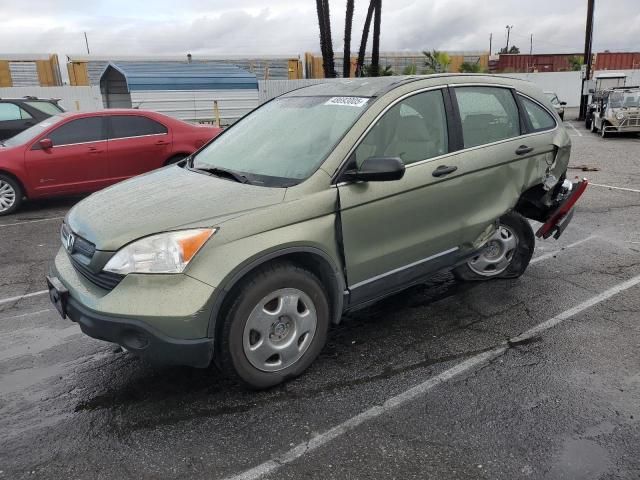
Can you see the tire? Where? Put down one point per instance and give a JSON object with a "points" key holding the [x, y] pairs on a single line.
{"points": [[10, 195], [175, 159], [587, 122], [561, 116], [593, 129], [603, 132], [252, 355], [506, 255]]}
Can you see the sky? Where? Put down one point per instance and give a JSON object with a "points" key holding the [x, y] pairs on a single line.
{"points": [[218, 27]]}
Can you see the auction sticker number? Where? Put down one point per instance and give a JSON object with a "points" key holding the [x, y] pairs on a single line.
{"points": [[358, 102]]}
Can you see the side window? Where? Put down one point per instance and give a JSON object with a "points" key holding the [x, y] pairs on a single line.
{"points": [[11, 111], [78, 131], [488, 114], [134, 126], [540, 119], [414, 129]]}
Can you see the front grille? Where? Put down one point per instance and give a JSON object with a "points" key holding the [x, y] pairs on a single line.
{"points": [[102, 279], [81, 252]]}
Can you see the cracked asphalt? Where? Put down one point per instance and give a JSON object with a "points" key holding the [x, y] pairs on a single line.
{"points": [[565, 404]]}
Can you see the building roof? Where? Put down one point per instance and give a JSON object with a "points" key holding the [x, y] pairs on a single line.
{"points": [[186, 76]]}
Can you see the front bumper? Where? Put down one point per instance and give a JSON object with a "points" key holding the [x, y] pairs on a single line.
{"points": [[167, 332]]}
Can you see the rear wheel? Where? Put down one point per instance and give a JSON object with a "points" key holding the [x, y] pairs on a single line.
{"points": [[10, 195], [594, 129], [276, 326], [505, 255], [587, 121], [603, 132]]}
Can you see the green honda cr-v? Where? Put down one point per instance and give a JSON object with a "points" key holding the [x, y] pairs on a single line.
{"points": [[319, 202]]}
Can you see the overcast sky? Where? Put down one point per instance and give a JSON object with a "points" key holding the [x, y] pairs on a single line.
{"points": [[164, 27]]}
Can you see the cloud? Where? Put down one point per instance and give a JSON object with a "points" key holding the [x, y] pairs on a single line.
{"points": [[164, 27]]}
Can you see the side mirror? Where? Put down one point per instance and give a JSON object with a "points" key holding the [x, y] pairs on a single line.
{"points": [[46, 143], [563, 103], [377, 169]]}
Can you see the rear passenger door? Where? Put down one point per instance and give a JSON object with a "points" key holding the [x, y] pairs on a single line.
{"points": [[137, 144], [500, 155]]}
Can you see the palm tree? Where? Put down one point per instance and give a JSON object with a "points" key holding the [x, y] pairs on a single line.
{"points": [[365, 36], [436, 62], [326, 45], [375, 49], [346, 59]]}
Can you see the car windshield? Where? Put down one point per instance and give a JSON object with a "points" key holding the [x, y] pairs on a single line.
{"points": [[625, 99], [31, 133], [45, 107], [553, 98], [283, 142]]}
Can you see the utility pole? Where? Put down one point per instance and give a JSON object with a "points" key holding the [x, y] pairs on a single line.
{"points": [[508, 27], [86, 41], [490, 40], [530, 62], [588, 41]]}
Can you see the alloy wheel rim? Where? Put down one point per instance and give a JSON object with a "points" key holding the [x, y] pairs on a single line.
{"points": [[7, 196], [497, 254], [279, 330]]}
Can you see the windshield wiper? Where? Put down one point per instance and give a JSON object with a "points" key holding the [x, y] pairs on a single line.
{"points": [[223, 172]]}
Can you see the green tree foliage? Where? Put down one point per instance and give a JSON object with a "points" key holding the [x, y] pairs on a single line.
{"points": [[513, 49], [471, 67], [411, 69], [436, 62], [575, 63]]}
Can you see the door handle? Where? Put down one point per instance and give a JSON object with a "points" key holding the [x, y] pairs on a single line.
{"points": [[162, 142], [94, 150], [523, 150], [443, 170]]}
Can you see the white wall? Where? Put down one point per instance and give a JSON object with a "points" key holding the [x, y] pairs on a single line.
{"points": [[82, 99]]}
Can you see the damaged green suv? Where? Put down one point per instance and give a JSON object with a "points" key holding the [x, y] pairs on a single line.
{"points": [[319, 202]]}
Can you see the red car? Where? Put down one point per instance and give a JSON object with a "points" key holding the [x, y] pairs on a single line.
{"points": [[73, 153]]}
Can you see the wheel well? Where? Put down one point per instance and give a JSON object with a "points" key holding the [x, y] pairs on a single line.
{"points": [[315, 263], [17, 180]]}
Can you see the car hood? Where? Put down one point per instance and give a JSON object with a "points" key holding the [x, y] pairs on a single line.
{"points": [[164, 200]]}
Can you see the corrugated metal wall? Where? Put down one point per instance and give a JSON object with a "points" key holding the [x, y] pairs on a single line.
{"points": [[24, 74], [84, 99], [197, 105], [617, 61]]}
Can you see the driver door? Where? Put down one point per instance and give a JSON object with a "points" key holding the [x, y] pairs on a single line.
{"points": [[395, 232]]}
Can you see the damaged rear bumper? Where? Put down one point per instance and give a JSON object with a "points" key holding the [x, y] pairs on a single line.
{"points": [[560, 218]]}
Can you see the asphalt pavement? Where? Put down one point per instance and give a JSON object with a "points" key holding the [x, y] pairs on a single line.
{"points": [[537, 377]]}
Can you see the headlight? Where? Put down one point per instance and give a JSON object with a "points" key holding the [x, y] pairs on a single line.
{"points": [[619, 115], [167, 252]]}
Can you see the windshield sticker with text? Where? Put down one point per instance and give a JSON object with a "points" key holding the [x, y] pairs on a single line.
{"points": [[358, 102]]}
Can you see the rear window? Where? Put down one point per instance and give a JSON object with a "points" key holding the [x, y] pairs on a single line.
{"points": [[123, 126], [45, 107], [540, 119], [82, 130], [488, 114]]}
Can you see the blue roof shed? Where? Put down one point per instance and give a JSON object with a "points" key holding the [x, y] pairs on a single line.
{"points": [[171, 76]]}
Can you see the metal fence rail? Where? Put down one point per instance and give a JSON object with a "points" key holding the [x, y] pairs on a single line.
{"points": [[81, 99]]}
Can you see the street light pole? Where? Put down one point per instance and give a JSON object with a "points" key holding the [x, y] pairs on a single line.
{"points": [[588, 41]]}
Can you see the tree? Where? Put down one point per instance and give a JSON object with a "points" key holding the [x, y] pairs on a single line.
{"points": [[375, 49], [436, 62], [410, 69], [513, 49], [469, 67], [575, 63], [346, 59], [373, 5], [367, 71], [326, 45]]}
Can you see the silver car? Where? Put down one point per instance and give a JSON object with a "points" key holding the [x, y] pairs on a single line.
{"points": [[617, 111], [556, 103]]}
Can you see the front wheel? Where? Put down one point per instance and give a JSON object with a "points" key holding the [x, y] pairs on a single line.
{"points": [[276, 326], [10, 195], [594, 129], [505, 255], [603, 132]]}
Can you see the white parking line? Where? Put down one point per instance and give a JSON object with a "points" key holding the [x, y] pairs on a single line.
{"points": [[30, 221], [28, 295], [574, 128], [614, 188], [393, 403], [556, 252], [30, 314]]}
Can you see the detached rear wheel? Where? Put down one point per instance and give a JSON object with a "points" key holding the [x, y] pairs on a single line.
{"points": [[10, 195], [276, 326], [505, 255]]}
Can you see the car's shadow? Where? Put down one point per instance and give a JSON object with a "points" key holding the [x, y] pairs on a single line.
{"points": [[162, 396], [42, 209]]}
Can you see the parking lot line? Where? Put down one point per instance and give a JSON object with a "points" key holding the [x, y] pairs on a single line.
{"points": [[392, 403], [556, 252], [614, 188], [20, 297], [30, 221], [574, 128]]}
